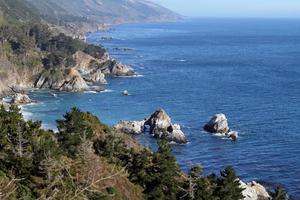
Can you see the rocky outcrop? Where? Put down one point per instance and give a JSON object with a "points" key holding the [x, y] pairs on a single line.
{"points": [[95, 77], [117, 69], [63, 80], [218, 124], [130, 127], [254, 191], [87, 64], [161, 127], [20, 99]]}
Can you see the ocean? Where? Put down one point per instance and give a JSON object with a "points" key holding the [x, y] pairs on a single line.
{"points": [[248, 69]]}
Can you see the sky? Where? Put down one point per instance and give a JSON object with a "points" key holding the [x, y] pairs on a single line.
{"points": [[235, 8]]}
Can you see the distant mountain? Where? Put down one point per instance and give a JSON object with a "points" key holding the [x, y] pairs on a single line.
{"points": [[105, 11], [17, 10]]}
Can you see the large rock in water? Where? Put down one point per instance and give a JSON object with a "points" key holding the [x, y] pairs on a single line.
{"points": [[130, 127], [19, 99], [254, 191], [161, 127], [217, 124]]}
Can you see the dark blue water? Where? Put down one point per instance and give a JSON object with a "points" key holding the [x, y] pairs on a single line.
{"points": [[247, 69]]}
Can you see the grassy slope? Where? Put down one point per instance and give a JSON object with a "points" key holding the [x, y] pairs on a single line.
{"points": [[104, 11]]}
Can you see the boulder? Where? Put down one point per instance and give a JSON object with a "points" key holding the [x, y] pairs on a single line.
{"points": [[19, 99], [125, 93], [161, 127], [232, 135], [130, 127], [254, 191], [217, 124]]}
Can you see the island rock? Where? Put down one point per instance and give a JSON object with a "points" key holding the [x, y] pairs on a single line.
{"points": [[161, 127], [217, 124]]}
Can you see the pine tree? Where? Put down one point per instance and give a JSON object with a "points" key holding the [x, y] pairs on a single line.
{"points": [[229, 185], [164, 173], [279, 194], [74, 129]]}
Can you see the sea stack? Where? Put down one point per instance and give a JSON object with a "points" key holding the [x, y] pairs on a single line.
{"points": [[161, 127], [218, 124]]}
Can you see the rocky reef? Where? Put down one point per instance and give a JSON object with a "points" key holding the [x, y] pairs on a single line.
{"points": [[218, 124]]}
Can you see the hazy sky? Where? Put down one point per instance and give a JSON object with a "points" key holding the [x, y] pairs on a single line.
{"points": [[234, 8]]}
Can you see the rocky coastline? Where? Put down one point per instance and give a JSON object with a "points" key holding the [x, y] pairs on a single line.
{"points": [[90, 73]]}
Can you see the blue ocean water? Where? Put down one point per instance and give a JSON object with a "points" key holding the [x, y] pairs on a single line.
{"points": [[248, 69]]}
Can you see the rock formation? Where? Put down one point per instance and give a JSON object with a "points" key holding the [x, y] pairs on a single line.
{"points": [[118, 69], [218, 124], [254, 191], [95, 77], [130, 127], [161, 127], [63, 80], [20, 99]]}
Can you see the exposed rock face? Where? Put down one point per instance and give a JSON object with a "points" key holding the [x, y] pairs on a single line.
{"points": [[254, 191], [86, 64], [20, 99], [130, 127], [95, 77], [161, 127], [118, 69], [69, 80], [217, 124]]}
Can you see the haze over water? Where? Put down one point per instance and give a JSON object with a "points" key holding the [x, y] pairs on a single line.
{"points": [[247, 69]]}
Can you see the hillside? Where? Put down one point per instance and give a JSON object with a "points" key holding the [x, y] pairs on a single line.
{"points": [[106, 11], [90, 15]]}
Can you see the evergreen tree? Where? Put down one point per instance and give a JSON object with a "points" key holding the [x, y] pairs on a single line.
{"points": [[165, 175], [74, 129], [229, 185], [279, 194]]}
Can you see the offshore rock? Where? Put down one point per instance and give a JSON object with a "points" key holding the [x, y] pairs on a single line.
{"points": [[161, 127], [217, 124]]}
